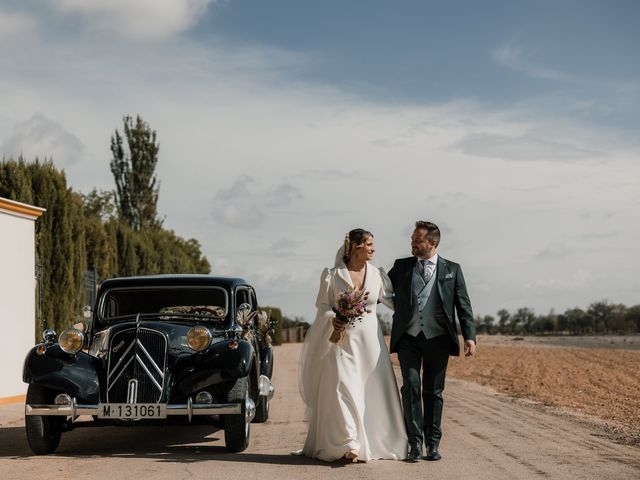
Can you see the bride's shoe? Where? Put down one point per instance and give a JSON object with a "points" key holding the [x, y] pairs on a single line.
{"points": [[352, 455]]}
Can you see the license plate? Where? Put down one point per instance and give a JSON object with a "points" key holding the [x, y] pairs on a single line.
{"points": [[132, 410]]}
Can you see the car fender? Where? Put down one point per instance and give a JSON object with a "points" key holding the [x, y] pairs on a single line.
{"points": [[217, 364], [266, 361], [76, 375]]}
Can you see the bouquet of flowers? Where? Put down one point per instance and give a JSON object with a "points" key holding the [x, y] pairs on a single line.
{"points": [[350, 307]]}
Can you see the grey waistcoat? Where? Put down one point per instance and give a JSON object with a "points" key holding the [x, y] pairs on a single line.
{"points": [[428, 312]]}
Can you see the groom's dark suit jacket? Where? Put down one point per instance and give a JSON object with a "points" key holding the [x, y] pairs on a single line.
{"points": [[452, 291]]}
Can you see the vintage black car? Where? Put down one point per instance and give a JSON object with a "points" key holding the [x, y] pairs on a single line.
{"points": [[155, 349]]}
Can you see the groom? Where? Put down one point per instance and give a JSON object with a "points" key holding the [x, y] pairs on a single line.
{"points": [[427, 289]]}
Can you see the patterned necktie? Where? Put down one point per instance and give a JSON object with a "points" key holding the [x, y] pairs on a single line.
{"points": [[426, 273]]}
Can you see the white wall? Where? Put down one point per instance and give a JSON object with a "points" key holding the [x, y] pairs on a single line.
{"points": [[17, 299]]}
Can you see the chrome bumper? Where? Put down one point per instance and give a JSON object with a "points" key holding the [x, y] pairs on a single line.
{"points": [[189, 409]]}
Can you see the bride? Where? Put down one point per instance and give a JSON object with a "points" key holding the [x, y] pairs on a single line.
{"points": [[349, 388]]}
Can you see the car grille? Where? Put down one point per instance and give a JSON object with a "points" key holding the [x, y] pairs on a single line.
{"points": [[136, 369]]}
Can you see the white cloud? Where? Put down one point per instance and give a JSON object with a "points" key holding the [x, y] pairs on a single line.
{"points": [[517, 59], [570, 281], [323, 175], [283, 247], [41, 137], [236, 206], [246, 203], [15, 24], [523, 60], [283, 196], [144, 19], [522, 147], [553, 252]]}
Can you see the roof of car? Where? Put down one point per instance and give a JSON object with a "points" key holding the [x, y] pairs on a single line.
{"points": [[172, 279]]}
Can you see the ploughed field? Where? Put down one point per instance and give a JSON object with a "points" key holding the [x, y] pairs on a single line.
{"points": [[600, 377]]}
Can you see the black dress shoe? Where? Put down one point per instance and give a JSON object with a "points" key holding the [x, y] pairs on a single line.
{"points": [[433, 454], [415, 452]]}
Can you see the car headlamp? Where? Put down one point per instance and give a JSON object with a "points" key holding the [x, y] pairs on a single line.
{"points": [[198, 338], [71, 340]]}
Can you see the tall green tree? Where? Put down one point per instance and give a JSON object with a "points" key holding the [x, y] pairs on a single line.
{"points": [[632, 317], [133, 169], [602, 315], [503, 319]]}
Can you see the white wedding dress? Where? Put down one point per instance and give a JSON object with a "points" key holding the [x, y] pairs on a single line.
{"points": [[349, 389]]}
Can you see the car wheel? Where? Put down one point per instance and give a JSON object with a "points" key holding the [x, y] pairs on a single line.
{"points": [[43, 432], [262, 409], [237, 427]]}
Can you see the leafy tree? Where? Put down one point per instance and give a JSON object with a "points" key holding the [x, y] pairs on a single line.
{"points": [[296, 321], [544, 323], [503, 319], [632, 318], [562, 323], [522, 320], [134, 173], [489, 321], [15, 182], [601, 315], [618, 322], [100, 204], [276, 314], [485, 324], [577, 320]]}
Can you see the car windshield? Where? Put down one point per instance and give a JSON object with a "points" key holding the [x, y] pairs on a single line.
{"points": [[165, 302]]}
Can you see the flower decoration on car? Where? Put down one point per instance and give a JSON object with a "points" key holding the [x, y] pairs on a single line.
{"points": [[256, 323]]}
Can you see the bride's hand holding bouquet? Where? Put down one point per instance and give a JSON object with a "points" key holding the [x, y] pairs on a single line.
{"points": [[350, 307]]}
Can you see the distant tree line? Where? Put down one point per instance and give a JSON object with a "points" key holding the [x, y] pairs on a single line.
{"points": [[117, 233], [600, 317]]}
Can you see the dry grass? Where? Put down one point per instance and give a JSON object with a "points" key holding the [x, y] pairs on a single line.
{"points": [[601, 382]]}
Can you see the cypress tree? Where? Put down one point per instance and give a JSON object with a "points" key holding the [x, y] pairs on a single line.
{"points": [[60, 247], [14, 181]]}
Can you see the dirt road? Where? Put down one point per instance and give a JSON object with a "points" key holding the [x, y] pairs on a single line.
{"points": [[486, 436]]}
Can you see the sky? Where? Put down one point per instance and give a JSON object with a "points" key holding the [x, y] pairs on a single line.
{"points": [[513, 125]]}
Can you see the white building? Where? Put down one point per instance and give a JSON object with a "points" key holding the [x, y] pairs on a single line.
{"points": [[17, 293]]}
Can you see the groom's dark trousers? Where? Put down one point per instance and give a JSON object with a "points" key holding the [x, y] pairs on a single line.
{"points": [[427, 349], [423, 413]]}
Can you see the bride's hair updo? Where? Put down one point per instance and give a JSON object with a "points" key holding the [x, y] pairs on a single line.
{"points": [[357, 236]]}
